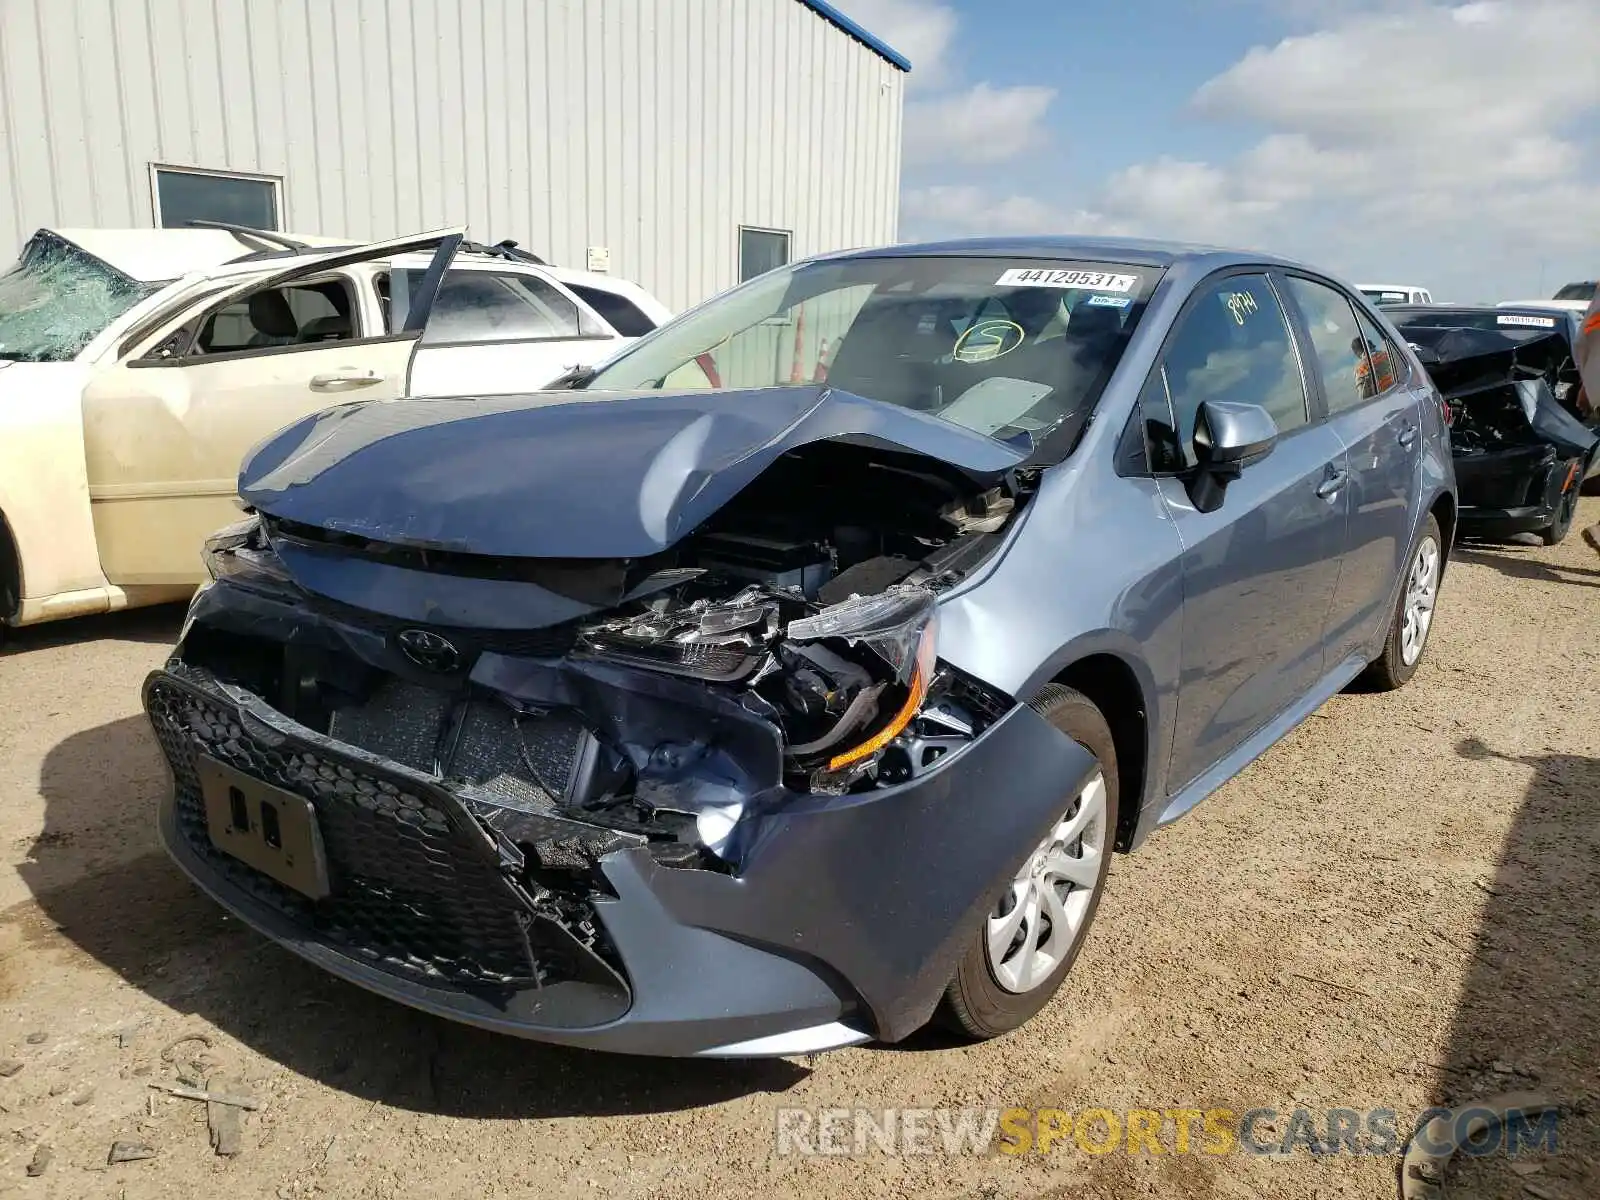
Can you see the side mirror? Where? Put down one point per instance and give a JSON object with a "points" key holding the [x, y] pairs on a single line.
{"points": [[1227, 438]]}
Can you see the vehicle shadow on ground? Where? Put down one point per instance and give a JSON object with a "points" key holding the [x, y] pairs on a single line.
{"points": [[1528, 1016], [155, 626], [133, 911], [1517, 561]]}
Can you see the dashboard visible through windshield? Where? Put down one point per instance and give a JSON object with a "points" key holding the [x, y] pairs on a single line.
{"points": [[1009, 348]]}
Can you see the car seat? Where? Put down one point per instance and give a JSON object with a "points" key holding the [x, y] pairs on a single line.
{"points": [[891, 351], [335, 327], [273, 319]]}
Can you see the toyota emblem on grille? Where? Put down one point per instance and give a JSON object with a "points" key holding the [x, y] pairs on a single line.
{"points": [[428, 650]]}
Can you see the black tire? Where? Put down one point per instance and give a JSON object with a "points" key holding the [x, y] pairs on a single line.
{"points": [[1390, 669], [1556, 532], [975, 1005]]}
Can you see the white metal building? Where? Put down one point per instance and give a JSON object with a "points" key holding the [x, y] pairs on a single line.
{"points": [[660, 139]]}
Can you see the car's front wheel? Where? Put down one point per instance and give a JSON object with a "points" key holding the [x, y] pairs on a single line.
{"points": [[1024, 946]]}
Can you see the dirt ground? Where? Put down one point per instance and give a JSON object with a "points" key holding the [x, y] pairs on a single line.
{"points": [[1398, 906]]}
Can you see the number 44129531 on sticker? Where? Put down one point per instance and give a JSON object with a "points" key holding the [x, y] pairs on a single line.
{"points": [[1049, 277]]}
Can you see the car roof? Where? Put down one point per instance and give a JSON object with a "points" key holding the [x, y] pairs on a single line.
{"points": [[165, 255], [160, 255], [1573, 306], [1139, 252], [1391, 287], [1544, 309], [1484, 308]]}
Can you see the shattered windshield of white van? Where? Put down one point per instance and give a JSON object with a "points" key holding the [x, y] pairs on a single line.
{"points": [[58, 297]]}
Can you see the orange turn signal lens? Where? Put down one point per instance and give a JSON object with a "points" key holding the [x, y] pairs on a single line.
{"points": [[917, 692]]}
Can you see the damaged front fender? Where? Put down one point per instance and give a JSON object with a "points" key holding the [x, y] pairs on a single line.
{"points": [[884, 888]]}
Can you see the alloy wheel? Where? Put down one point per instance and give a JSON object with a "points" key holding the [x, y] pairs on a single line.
{"points": [[1422, 590], [1043, 912]]}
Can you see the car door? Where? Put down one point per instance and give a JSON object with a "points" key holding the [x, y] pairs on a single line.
{"points": [[166, 427], [1259, 571], [501, 329], [1374, 412]]}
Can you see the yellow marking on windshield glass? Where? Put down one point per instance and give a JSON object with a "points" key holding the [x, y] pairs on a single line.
{"points": [[988, 340]]}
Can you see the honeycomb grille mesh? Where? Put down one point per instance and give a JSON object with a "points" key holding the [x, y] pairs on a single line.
{"points": [[416, 888]]}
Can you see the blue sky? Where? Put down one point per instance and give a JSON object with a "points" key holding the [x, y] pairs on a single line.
{"points": [[1451, 143]]}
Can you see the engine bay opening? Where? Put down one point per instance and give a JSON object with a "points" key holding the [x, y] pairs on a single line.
{"points": [[788, 645]]}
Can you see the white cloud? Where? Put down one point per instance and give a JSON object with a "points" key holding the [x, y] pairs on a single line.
{"points": [[982, 124], [948, 123], [919, 30], [1470, 95], [965, 209], [1477, 70], [1453, 142]]}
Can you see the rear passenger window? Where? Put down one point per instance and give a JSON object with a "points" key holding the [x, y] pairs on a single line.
{"points": [[1233, 344], [489, 306], [1385, 359], [476, 306], [1341, 350]]}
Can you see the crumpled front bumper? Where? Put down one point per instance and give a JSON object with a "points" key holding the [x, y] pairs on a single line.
{"points": [[843, 923]]}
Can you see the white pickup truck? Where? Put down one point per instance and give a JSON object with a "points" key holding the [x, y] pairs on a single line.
{"points": [[137, 366]]}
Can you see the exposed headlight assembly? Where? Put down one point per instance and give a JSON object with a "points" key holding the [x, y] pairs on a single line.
{"points": [[901, 627]]}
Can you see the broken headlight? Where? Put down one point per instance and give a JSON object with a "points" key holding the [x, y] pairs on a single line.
{"points": [[719, 642], [239, 553], [893, 624], [901, 627]]}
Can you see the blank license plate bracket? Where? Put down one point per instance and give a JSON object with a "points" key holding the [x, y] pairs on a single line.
{"points": [[273, 830]]}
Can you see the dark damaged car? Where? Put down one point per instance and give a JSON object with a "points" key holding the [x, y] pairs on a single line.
{"points": [[1509, 379], [791, 680]]}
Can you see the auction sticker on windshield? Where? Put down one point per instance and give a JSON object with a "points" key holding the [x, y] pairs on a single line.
{"points": [[1100, 281], [1530, 322]]}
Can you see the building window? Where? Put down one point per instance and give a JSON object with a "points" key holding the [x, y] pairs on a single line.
{"points": [[760, 251], [183, 195]]}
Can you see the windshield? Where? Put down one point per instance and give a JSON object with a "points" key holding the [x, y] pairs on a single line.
{"points": [[1577, 291], [1001, 346], [57, 298]]}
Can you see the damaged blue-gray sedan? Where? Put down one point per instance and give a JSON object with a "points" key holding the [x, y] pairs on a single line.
{"points": [[788, 682]]}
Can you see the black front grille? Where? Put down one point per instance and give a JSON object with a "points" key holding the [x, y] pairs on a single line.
{"points": [[417, 888]]}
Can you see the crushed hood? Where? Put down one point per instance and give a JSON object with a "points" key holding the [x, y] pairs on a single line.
{"points": [[1482, 366], [570, 474], [1461, 361]]}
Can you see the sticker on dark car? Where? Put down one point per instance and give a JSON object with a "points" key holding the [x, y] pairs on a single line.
{"points": [[1051, 278]]}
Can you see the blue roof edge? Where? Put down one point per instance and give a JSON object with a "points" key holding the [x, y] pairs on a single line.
{"points": [[877, 45]]}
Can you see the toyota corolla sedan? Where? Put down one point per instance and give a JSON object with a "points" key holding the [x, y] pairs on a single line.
{"points": [[789, 682]]}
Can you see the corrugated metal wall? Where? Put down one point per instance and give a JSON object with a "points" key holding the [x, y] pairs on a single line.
{"points": [[652, 127]]}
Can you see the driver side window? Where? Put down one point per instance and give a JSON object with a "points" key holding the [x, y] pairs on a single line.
{"points": [[296, 315], [1233, 343]]}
